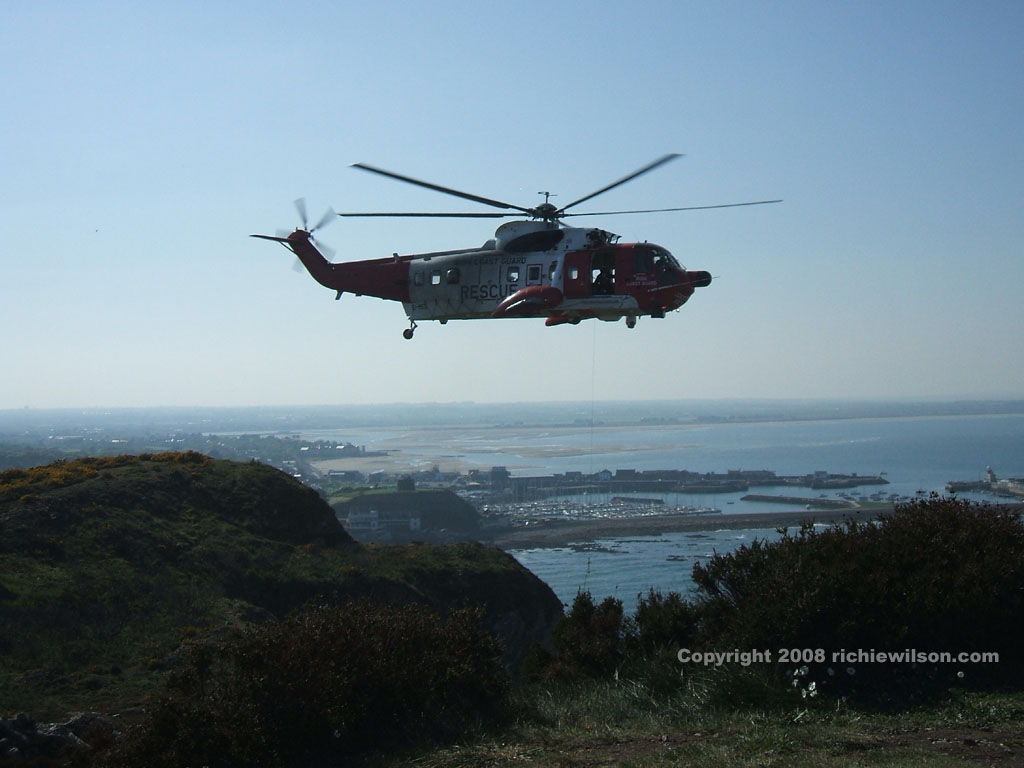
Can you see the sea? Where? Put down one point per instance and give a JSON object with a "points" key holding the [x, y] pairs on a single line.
{"points": [[917, 448], [917, 455]]}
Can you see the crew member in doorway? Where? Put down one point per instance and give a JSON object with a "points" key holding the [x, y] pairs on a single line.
{"points": [[604, 283]]}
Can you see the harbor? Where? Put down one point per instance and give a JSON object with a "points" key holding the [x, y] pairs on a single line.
{"points": [[566, 521], [1004, 487], [551, 533]]}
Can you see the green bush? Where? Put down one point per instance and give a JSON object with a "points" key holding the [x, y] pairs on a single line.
{"points": [[664, 623], [591, 640], [938, 575], [325, 683]]}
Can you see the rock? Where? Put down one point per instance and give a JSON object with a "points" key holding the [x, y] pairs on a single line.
{"points": [[22, 738]]}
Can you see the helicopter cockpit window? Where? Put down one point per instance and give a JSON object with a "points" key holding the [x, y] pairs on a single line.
{"points": [[435, 278], [654, 259], [453, 276], [661, 256]]}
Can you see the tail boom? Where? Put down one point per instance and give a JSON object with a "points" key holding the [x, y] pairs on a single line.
{"points": [[382, 278]]}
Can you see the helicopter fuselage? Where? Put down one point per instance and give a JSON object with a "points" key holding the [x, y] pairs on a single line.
{"points": [[535, 267], [529, 269]]}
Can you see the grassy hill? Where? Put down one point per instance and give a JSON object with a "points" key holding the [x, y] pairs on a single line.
{"points": [[108, 565]]}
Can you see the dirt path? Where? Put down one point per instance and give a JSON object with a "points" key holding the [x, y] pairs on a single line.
{"points": [[1000, 748]]}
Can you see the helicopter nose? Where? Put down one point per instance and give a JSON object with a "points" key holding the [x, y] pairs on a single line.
{"points": [[699, 279]]}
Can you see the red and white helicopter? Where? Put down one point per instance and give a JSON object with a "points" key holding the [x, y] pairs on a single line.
{"points": [[536, 267]]}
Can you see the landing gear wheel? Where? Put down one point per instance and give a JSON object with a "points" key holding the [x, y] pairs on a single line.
{"points": [[408, 332]]}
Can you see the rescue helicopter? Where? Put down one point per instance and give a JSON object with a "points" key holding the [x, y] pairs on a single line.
{"points": [[534, 267]]}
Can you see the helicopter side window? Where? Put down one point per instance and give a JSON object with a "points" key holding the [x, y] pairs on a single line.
{"points": [[662, 271], [435, 278], [533, 274], [417, 279], [643, 261], [453, 276], [513, 274]]}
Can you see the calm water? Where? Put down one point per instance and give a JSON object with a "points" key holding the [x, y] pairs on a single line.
{"points": [[917, 454], [627, 566]]}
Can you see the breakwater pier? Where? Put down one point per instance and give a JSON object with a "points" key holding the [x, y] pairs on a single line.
{"points": [[1006, 487]]}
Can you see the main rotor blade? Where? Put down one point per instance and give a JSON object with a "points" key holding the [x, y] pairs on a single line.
{"points": [[623, 180], [661, 210], [443, 215], [439, 188]]}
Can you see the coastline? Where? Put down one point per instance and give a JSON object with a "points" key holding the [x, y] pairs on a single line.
{"points": [[563, 533]]}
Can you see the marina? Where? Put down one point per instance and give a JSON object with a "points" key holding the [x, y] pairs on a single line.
{"points": [[569, 509], [917, 456]]}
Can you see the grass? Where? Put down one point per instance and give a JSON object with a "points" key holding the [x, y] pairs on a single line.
{"points": [[347, 495], [623, 723]]}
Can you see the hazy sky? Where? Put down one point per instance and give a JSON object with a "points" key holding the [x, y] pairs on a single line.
{"points": [[141, 145]]}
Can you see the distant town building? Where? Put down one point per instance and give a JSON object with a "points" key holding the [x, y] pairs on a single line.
{"points": [[371, 525], [499, 478]]}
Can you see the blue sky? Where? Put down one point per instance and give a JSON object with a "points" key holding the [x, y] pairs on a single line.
{"points": [[140, 147]]}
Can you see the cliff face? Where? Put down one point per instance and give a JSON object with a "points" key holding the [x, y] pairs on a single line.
{"points": [[519, 608], [108, 565]]}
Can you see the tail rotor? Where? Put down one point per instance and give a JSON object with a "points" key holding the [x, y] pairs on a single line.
{"points": [[290, 240], [327, 218]]}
